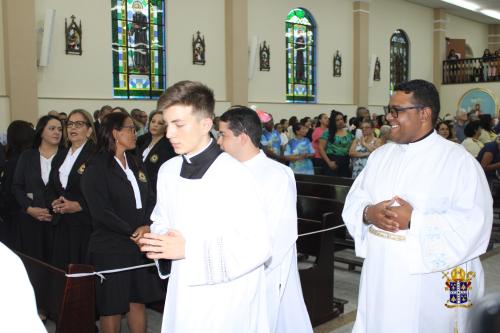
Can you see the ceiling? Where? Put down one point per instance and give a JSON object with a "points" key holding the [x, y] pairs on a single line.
{"points": [[458, 11]]}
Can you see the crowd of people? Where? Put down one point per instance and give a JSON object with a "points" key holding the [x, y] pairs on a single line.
{"points": [[112, 192]]}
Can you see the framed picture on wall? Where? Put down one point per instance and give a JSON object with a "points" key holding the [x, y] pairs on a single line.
{"points": [[479, 100]]}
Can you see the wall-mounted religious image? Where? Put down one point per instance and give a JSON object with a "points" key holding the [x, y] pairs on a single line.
{"points": [[138, 38], [264, 58], [376, 71], [479, 101], [73, 33], [198, 49], [337, 64]]}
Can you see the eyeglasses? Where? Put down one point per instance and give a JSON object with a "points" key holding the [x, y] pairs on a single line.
{"points": [[394, 110], [77, 124], [130, 128]]}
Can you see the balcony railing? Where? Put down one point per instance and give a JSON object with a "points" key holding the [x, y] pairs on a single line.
{"points": [[471, 70]]}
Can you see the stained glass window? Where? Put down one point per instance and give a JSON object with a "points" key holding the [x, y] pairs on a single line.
{"points": [[400, 55], [138, 30], [300, 37]]}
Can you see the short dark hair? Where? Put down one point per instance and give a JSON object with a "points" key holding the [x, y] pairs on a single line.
{"points": [[485, 121], [424, 93], [297, 126], [471, 128], [189, 93], [105, 140], [40, 126], [241, 119]]}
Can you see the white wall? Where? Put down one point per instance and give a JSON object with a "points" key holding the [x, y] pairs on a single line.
{"points": [[386, 16], [451, 94], [474, 33], [334, 21], [72, 81]]}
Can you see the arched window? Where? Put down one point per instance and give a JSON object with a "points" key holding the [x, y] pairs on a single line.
{"points": [[138, 30], [400, 58], [300, 57]]}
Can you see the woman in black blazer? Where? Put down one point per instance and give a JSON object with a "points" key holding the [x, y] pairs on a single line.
{"points": [[120, 202], [71, 220], [29, 187], [157, 149]]}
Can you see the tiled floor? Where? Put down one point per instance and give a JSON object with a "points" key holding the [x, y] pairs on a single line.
{"points": [[346, 287]]}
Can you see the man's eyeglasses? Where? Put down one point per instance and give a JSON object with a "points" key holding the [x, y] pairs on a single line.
{"points": [[394, 110], [77, 124]]}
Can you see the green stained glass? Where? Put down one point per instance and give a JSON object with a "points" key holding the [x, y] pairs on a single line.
{"points": [[300, 32], [138, 48]]}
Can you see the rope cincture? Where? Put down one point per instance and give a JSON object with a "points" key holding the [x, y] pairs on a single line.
{"points": [[109, 271]]}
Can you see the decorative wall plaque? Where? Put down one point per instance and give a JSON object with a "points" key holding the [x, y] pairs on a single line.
{"points": [[198, 49], [337, 64], [264, 56], [73, 33]]}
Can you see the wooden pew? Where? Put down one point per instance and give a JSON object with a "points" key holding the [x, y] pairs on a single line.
{"points": [[69, 302], [324, 179], [317, 278], [322, 190]]}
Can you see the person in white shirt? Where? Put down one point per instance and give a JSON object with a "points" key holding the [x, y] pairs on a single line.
{"points": [[240, 131], [209, 222], [421, 240]]}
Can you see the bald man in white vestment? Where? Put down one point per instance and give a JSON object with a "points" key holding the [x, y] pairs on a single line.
{"points": [[421, 215], [239, 134], [18, 311], [209, 222]]}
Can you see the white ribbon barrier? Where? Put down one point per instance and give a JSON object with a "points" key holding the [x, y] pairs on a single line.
{"points": [[101, 273]]}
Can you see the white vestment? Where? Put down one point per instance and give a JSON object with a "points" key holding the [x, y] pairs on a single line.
{"points": [[17, 300], [220, 285], [286, 308], [406, 280]]}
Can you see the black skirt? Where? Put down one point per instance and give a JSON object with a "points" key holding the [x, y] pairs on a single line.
{"points": [[118, 290]]}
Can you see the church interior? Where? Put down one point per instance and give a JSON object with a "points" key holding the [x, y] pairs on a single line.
{"points": [[285, 57]]}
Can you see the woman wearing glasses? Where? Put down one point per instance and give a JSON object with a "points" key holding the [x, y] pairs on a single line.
{"points": [[120, 202], [334, 146], [362, 148], [71, 221]]}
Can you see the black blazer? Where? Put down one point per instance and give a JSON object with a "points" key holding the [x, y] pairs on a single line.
{"points": [[27, 186], [111, 202], [159, 154], [73, 190]]}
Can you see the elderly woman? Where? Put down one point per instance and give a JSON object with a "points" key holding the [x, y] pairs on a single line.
{"points": [[71, 221], [156, 149], [118, 195], [472, 144]]}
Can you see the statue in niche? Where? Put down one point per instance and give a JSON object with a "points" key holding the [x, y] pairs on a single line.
{"points": [[139, 34], [337, 64], [300, 46], [264, 56], [73, 36], [198, 49], [376, 72]]}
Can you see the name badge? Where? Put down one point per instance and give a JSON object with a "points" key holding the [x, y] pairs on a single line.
{"points": [[142, 177], [81, 169]]}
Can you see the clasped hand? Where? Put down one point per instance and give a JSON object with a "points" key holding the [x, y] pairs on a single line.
{"points": [[386, 216], [168, 246], [64, 206]]}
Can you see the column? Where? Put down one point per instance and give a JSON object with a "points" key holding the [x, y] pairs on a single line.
{"points": [[439, 52], [493, 37], [20, 58], [237, 51], [361, 13]]}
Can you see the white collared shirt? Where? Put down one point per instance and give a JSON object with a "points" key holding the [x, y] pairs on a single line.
{"points": [[45, 166], [65, 168], [133, 181]]}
